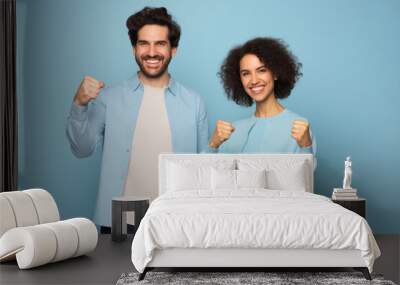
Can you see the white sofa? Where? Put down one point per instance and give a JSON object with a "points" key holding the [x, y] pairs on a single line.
{"points": [[31, 231]]}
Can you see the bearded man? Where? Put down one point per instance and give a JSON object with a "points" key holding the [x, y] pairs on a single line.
{"points": [[138, 119]]}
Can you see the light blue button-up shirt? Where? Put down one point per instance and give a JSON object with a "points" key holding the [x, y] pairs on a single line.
{"points": [[110, 121]]}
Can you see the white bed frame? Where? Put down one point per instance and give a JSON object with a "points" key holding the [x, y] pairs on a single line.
{"points": [[234, 257], [249, 257]]}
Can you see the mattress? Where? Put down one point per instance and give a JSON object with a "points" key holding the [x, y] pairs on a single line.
{"points": [[250, 219]]}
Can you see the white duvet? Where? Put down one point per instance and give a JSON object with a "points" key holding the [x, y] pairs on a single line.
{"points": [[250, 218]]}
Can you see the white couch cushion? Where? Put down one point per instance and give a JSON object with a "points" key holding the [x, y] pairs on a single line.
{"points": [[7, 218], [23, 208], [87, 233], [26, 208], [40, 244], [67, 240], [32, 246], [46, 207]]}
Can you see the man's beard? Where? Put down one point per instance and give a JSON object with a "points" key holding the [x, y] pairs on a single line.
{"points": [[162, 70]]}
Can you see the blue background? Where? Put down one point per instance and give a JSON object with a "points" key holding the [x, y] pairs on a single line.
{"points": [[350, 90]]}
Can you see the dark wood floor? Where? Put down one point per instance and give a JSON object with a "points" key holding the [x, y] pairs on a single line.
{"points": [[110, 260], [103, 266]]}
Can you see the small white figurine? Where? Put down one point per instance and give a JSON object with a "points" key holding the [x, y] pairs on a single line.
{"points": [[347, 174]]}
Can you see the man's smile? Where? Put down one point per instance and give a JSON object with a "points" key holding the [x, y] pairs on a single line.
{"points": [[153, 62]]}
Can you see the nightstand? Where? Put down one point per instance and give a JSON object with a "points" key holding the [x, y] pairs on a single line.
{"points": [[358, 206], [121, 205]]}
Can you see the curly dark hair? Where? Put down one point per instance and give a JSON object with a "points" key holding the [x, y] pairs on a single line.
{"points": [[276, 57], [153, 16]]}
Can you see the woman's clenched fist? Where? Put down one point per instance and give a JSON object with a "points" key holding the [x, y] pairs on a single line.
{"points": [[222, 132], [301, 133]]}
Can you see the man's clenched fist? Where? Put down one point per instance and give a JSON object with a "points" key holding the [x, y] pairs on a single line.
{"points": [[222, 132], [301, 133], [88, 90]]}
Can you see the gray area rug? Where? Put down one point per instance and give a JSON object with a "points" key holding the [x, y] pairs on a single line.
{"points": [[231, 278]]}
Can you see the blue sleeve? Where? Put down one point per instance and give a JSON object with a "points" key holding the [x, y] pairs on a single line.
{"points": [[202, 127], [211, 150], [85, 127], [311, 149]]}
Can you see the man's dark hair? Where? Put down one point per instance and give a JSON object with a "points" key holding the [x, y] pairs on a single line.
{"points": [[273, 53], [153, 16]]}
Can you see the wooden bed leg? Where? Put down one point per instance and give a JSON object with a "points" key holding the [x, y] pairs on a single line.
{"points": [[143, 274], [364, 271]]}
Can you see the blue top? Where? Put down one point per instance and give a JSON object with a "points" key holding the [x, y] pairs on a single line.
{"points": [[266, 135], [110, 121]]}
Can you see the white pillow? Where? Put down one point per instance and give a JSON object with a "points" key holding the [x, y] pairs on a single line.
{"points": [[282, 174], [237, 179], [185, 177], [251, 178], [188, 173], [293, 178], [223, 179]]}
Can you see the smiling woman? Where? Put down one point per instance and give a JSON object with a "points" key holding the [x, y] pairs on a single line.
{"points": [[261, 71]]}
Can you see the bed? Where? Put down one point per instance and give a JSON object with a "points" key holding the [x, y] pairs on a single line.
{"points": [[241, 210]]}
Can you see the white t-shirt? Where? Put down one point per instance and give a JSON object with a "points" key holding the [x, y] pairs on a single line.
{"points": [[152, 136]]}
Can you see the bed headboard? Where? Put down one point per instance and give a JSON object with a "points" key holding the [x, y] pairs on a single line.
{"points": [[271, 160]]}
